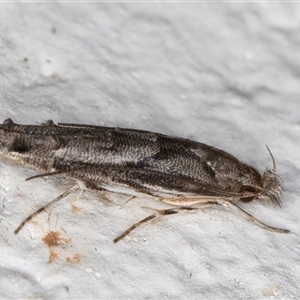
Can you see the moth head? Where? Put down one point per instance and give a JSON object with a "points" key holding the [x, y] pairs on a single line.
{"points": [[272, 184]]}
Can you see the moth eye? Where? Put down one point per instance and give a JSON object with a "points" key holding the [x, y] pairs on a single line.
{"points": [[248, 199], [250, 189], [249, 193], [8, 121]]}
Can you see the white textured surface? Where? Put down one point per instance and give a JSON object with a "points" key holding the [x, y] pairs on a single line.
{"points": [[223, 74]]}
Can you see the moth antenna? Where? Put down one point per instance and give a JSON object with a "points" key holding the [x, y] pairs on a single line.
{"points": [[273, 159]]}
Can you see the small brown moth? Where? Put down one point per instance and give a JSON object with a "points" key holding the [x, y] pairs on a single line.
{"points": [[181, 172]]}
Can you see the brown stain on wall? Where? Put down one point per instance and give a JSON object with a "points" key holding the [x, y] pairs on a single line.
{"points": [[53, 239], [75, 259]]}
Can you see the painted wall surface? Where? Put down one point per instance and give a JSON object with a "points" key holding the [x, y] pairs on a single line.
{"points": [[225, 74]]}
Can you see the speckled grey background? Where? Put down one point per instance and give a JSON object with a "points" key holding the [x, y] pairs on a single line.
{"points": [[226, 74]]}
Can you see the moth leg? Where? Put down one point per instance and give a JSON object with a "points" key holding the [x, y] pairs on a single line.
{"points": [[155, 215], [206, 200], [253, 219], [189, 201], [169, 211], [65, 194], [44, 175], [130, 198], [79, 195], [126, 232]]}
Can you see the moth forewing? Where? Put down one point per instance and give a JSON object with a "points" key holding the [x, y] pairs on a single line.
{"points": [[184, 173]]}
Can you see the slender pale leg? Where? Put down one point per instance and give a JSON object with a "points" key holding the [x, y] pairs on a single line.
{"points": [[189, 201], [65, 194], [186, 203]]}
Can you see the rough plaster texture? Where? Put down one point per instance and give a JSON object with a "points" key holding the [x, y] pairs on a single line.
{"points": [[226, 74]]}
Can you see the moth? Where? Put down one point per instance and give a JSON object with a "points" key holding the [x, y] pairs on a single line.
{"points": [[186, 174]]}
